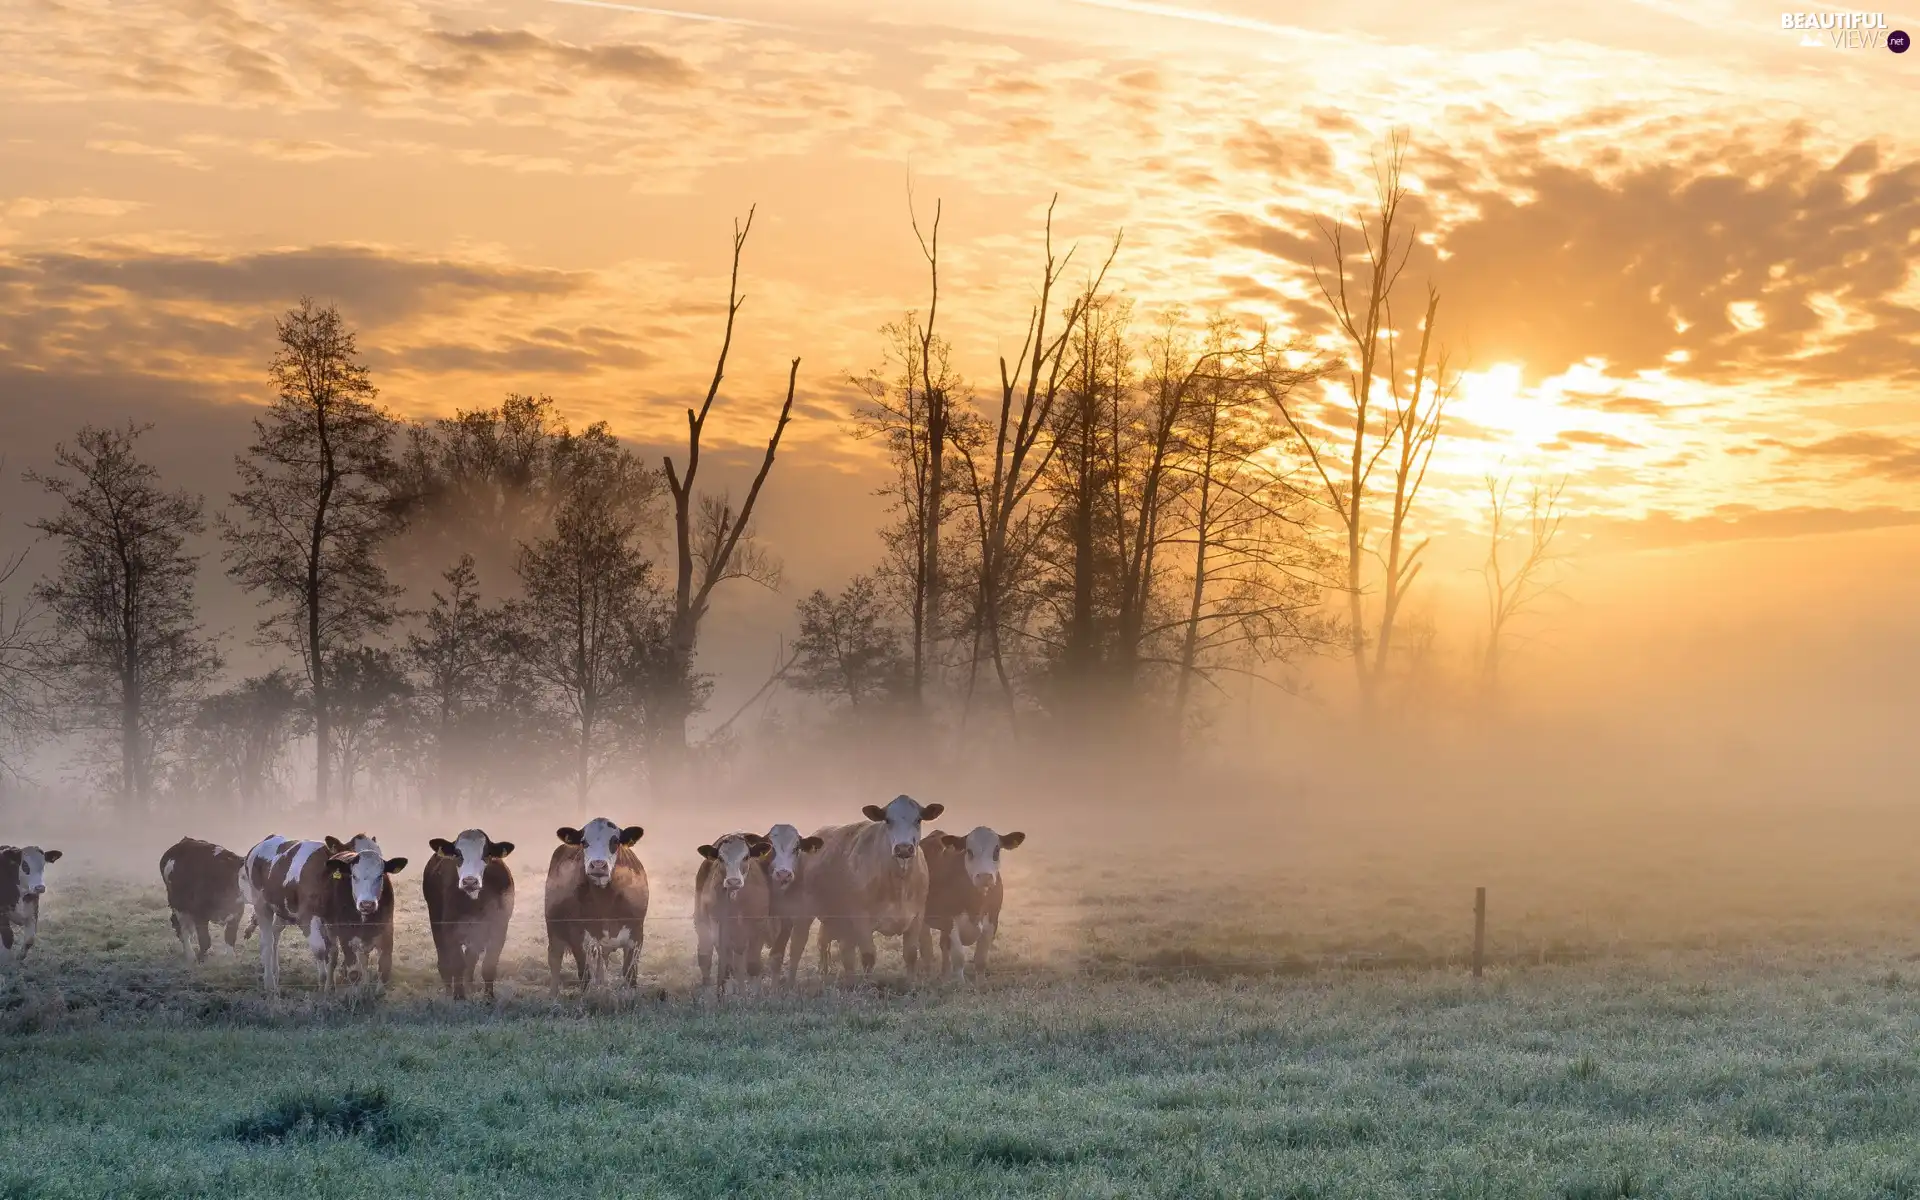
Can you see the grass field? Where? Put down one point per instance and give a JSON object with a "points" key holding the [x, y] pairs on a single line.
{"points": [[1679, 1015]]}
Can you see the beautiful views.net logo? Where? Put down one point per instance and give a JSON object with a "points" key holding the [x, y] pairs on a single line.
{"points": [[1846, 30]]}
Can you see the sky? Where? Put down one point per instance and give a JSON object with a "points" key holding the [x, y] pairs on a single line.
{"points": [[1678, 250]]}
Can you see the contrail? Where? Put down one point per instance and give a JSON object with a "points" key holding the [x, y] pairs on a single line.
{"points": [[670, 12], [1205, 17]]}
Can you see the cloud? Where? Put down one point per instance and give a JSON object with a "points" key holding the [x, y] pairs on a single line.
{"points": [[1664, 530], [1590, 437], [502, 57], [1877, 454]]}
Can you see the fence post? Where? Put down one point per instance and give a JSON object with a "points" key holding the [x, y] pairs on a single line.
{"points": [[1479, 929]]}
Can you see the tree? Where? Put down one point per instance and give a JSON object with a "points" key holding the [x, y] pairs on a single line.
{"points": [[1515, 588], [127, 652], [314, 505], [239, 738], [848, 646], [371, 714], [1256, 569], [455, 658], [588, 587], [1403, 427], [1001, 478], [22, 649], [717, 545]]}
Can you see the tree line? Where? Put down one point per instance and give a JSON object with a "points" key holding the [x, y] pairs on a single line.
{"points": [[1135, 509]]}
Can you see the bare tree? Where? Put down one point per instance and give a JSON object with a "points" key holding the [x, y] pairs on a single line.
{"points": [[127, 651], [709, 537], [1256, 569], [23, 642], [849, 647], [586, 587], [1002, 475], [314, 506], [239, 739], [1517, 576], [1402, 428]]}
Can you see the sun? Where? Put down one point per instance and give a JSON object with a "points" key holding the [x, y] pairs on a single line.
{"points": [[1496, 400]]}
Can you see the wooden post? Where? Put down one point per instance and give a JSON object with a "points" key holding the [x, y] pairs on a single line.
{"points": [[1479, 929]]}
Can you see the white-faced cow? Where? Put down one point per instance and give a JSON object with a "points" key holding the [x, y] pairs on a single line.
{"points": [[730, 905], [23, 880], [870, 879], [469, 891], [203, 886], [340, 899], [596, 902], [964, 894], [785, 866]]}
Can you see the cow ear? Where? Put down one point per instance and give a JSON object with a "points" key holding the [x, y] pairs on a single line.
{"points": [[953, 841], [873, 812], [396, 865], [51, 856], [499, 849], [760, 850], [343, 856], [810, 844], [334, 844], [631, 834], [441, 846], [932, 811], [709, 852], [1011, 841], [570, 835]]}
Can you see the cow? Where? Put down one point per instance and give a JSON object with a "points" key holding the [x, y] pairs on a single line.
{"points": [[353, 945], [785, 866], [204, 884], [23, 880], [596, 902], [964, 894], [469, 892], [341, 899], [870, 878], [730, 908]]}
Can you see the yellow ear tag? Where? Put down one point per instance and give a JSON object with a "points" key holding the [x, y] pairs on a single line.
{"points": [[337, 873]]}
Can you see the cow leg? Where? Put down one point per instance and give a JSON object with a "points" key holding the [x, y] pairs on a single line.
{"points": [[556, 955], [863, 942], [782, 934], [630, 963], [233, 934], [6, 934], [703, 952], [799, 945], [203, 937], [988, 929], [386, 957], [29, 930], [180, 933], [324, 949], [490, 960], [953, 954], [270, 956]]}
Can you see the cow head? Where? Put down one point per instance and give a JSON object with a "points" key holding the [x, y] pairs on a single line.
{"points": [[783, 858], [358, 841], [365, 872], [601, 841], [902, 817], [734, 855], [471, 852], [982, 849], [30, 864]]}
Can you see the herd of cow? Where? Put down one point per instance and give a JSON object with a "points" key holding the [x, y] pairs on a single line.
{"points": [[754, 893]]}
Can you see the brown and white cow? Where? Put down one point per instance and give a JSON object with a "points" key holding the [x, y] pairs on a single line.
{"points": [[785, 866], [596, 902], [730, 909], [340, 899], [469, 891], [203, 885], [964, 894], [23, 880], [870, 879]]}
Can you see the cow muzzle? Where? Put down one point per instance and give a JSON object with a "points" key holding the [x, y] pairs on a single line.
{"points": [[983, 882], [600, 873], [733, 886], [38, 889], [904, 850], [368, 907], [783, 877], [471, 887]]}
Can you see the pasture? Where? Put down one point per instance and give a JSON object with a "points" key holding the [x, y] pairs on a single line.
{"points": [[1674, 1007]]}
